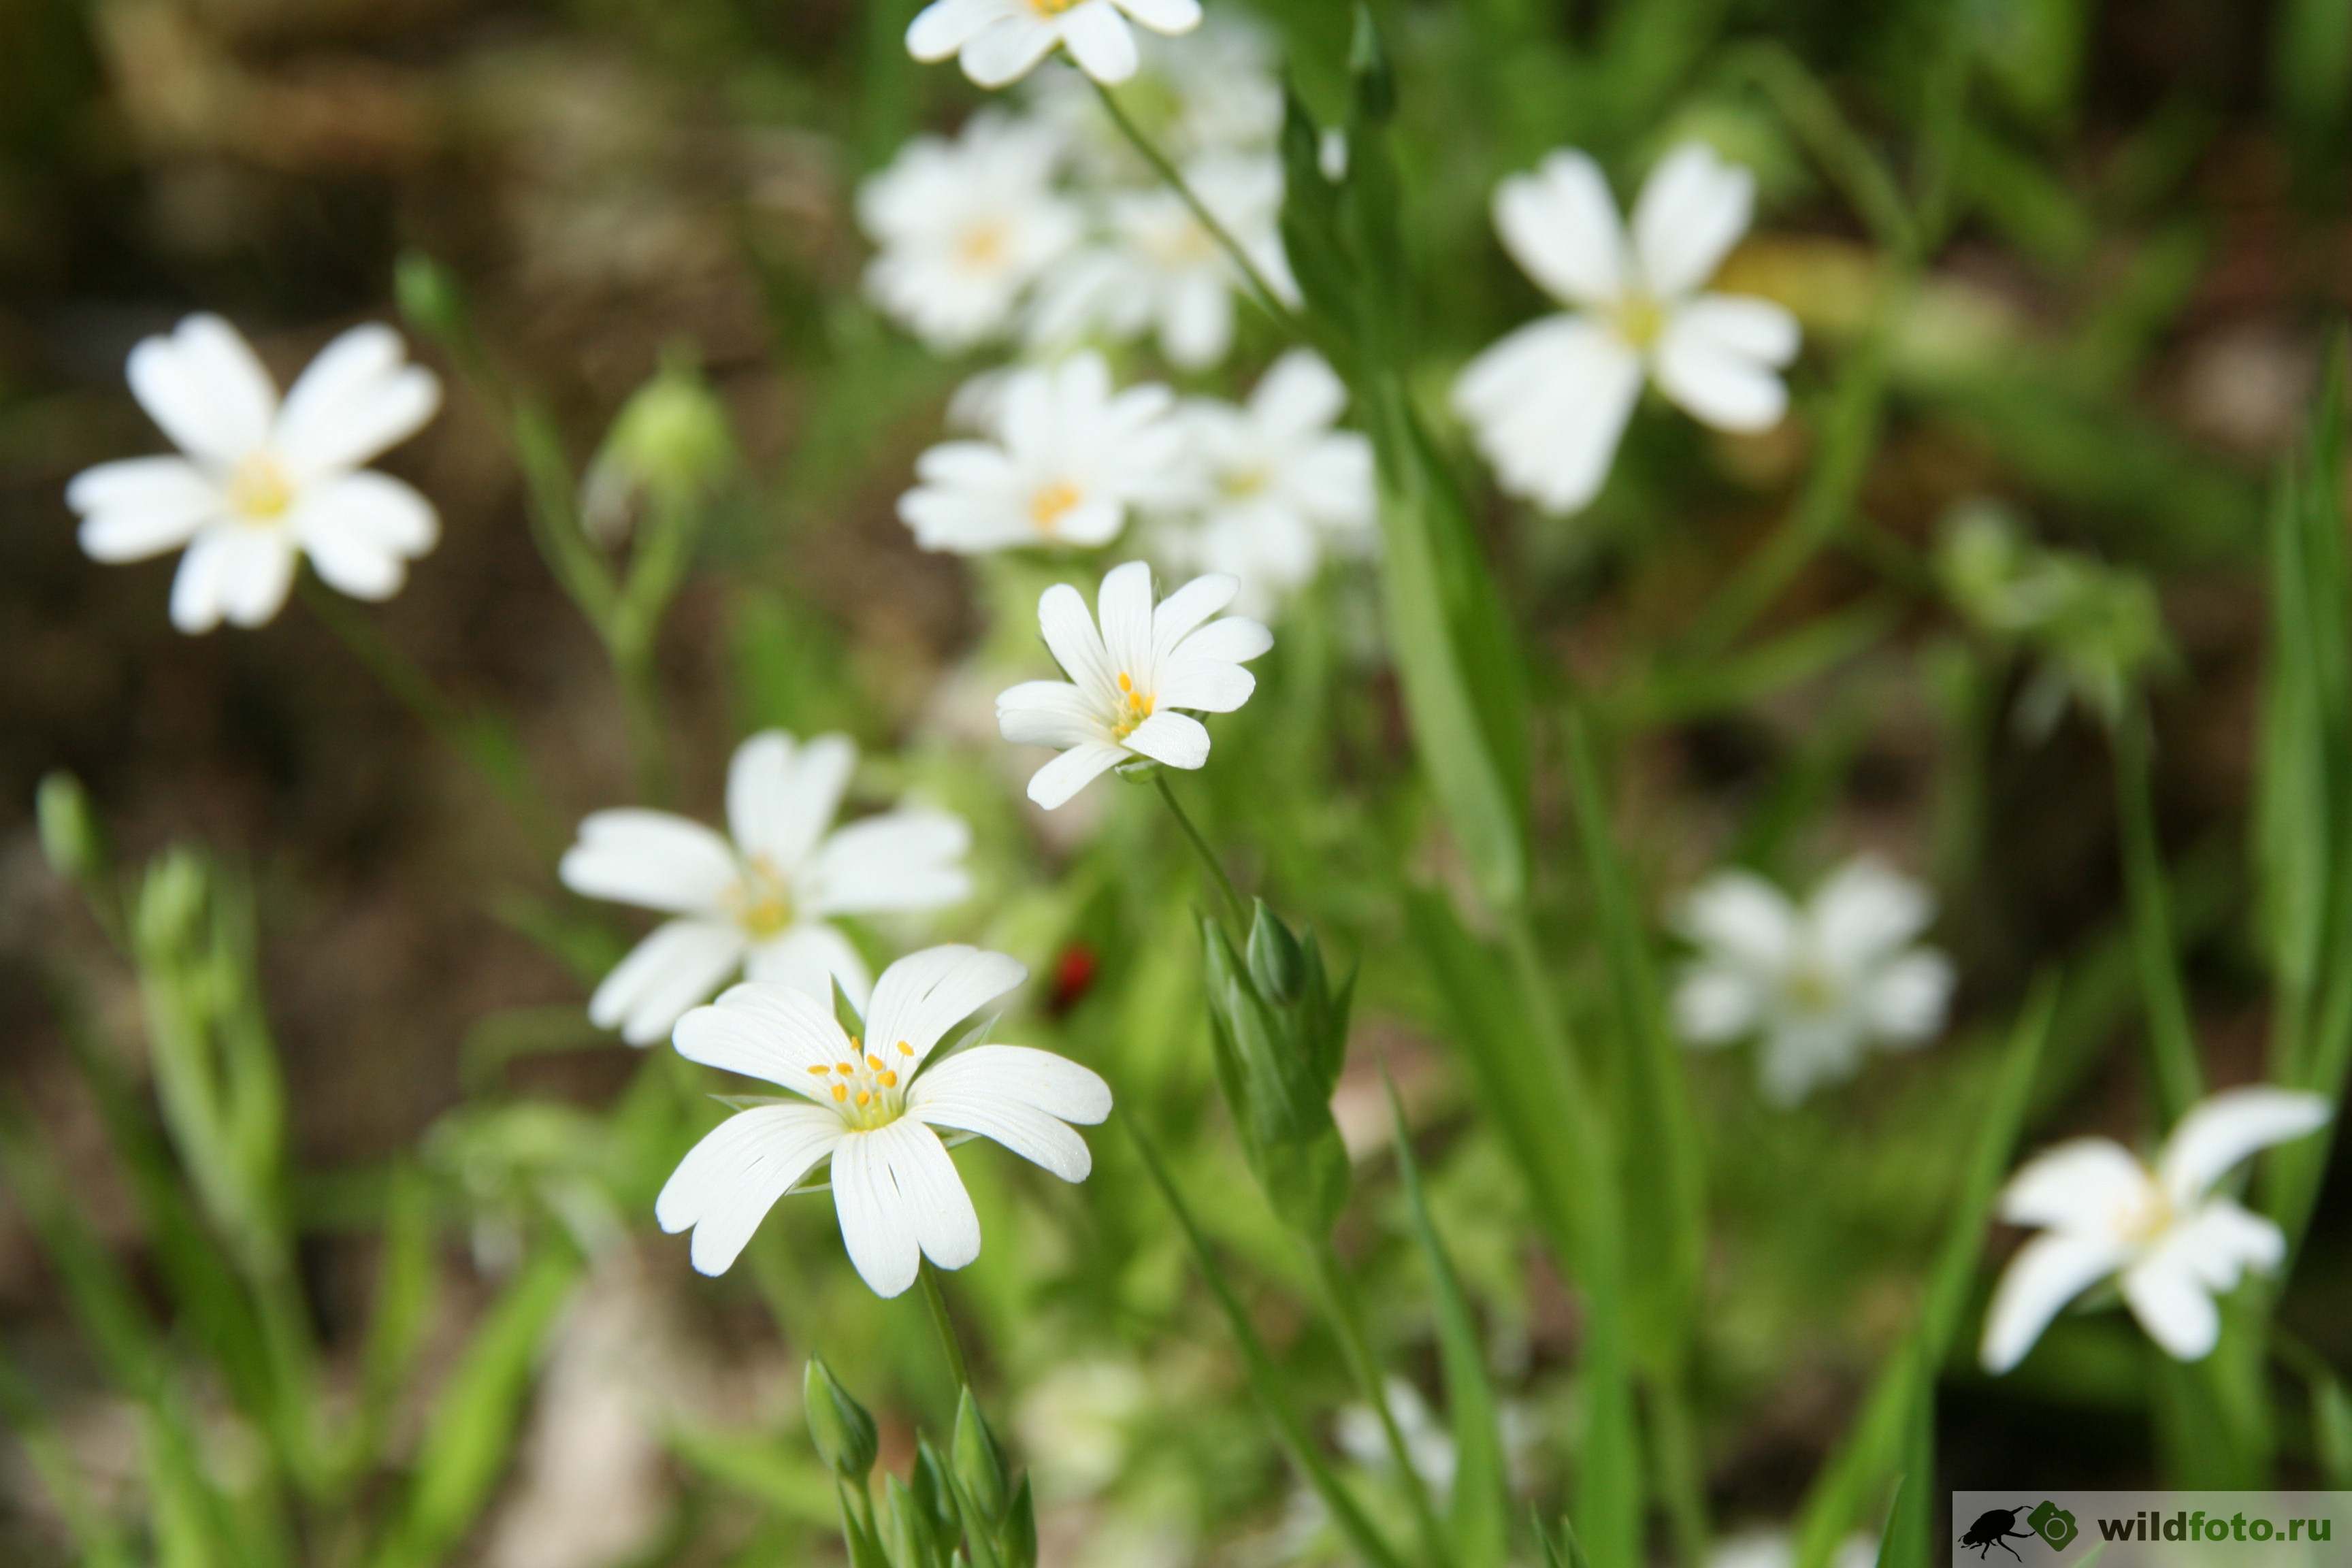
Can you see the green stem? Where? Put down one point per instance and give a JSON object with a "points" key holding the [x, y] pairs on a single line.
{"points": [[1263, 291], [2171, 1038], [470, 740], [942, 1324], [1339, 1301], [1208, 856]]}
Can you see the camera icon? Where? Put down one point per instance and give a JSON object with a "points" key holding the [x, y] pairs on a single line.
{"points": [[2054, 1525]]}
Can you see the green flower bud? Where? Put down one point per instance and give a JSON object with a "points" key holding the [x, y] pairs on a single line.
{"points": [[1276, 1064], [71, 836], [429, 298], [1020, 1538], [932, 1492], [844, 1432], [979, 1462], [1275, 962], [170, 917], [907, 1530]]}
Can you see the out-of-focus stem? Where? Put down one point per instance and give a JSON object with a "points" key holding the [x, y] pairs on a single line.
{"points": [[1339, 1302], [942, 1324], [1208, 857]]}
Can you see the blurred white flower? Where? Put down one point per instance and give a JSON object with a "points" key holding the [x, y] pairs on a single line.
{"points": [[2171, 1243], [872, 1103], [963, 227], [1000, 42], [1212, 90], [1076, 1423], [1274, 483], [1128, 680], [263, 482], [762, 902], [1067, 457], [1821, 984], [1158, 270], [1548, 402], [1428, 1444], [1768, 1547]]}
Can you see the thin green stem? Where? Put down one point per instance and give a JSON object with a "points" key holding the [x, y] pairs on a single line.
{"points": [[2172, 1037], [1339, 1302], [1267, 299], [943, 1325], [1208, 857]]}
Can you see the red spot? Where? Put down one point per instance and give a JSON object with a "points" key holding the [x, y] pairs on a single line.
{"points": [[1074, 974]]}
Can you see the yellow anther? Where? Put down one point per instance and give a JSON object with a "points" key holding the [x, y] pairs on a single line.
{"points": [[845, 1069], [864, 1097], [820, 1069], [904, 1049], [875, 1063], [1051, 504], [840, 1092], [1125, 681], [889, 1080]]}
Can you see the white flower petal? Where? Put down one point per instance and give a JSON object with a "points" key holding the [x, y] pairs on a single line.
{"points": [[1864, 911], [1008, 48], [2173, 1304], [1799, 1055], [386, 513], [930, 1191], [1170, 17], [1714, 383], [1753, 329], [1692, 209], [1560, 225], [811, 958], [878, 1227], [234, 572], [1906, 1000], [206, 390], [1179, 614], [2047, 1273], [1056, 1085], [1099, 40], [766, 1031], [1235, 640], [676, 966], [910, 860], [359, 398], [1299, 395], [351, 563], [2225, 1128], [942, 27], [1052, 784], [1740, 916], [923, 995], [2220, 1240], [781, 796], [1049, 714], [1125, 607], [1196, 322], [1070, 636], [1548, 406], [1205, 686], [1179, 739], [2086, 1184], [1716, 1004], [727, 1182], [141, 506], [197, 585], [649, 858]]}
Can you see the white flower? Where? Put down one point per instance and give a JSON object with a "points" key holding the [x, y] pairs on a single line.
{"points": [[1274, 482], [760, 902], [1773, 1547], [1820, 983], [1000, 42], [263, 482], [2173, 1245], [1548, 402], [1127, 680], [872, 1105], [964, 227], [1068, 458], [1160, 270], [1212, 90]]}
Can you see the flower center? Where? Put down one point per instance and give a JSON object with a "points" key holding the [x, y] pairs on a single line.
{"points": [[1181, 244], [2141, 1221], [1639, 320], [1053, 7], [1134, 708], [864, 1089], [259, 490], [1245, 482], [983, 246], [762, 901], [1052, 503], [1810, 988]]}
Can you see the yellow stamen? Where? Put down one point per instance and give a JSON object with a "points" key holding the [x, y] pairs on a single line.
{"points": [[840, 1092], [259, 490], [820, 1069], [1640, 320], [864, 1097], [888, 1080], [845, 1069], [904, 1049], [1053, 7], [982, 246], [875, 1063], [1054, 503]]}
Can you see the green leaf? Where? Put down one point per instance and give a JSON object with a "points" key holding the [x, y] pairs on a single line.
{"points": [[761, 1465], [2171, 1034], [1264, 1378], [1481, 1510], [2331, 1426], [1872, 1450], [471, 1434]]}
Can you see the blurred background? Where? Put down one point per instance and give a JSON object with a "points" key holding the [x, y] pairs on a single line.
{"points": [[2115, 349]]}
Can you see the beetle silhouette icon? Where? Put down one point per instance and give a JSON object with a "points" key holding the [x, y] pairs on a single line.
{"points": [[1993, 1528]]}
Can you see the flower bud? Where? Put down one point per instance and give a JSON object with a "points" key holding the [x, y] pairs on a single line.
{"points": [[909, 1531], [844, 1432], [1275, 962], [172, 904], [429, 298], [1020, 1539], [1276, 1064], [71, 836], [979, 1462]]}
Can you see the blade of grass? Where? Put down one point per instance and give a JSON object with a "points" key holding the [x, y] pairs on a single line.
{"points": [[2171, 1036]]}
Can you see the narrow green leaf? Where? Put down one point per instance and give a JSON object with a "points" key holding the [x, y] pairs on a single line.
{"points": [[1265, 1377], [2171, 1034], [471, 1433], [761, 1465], [2331, 1426], [1481, 1510]]}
